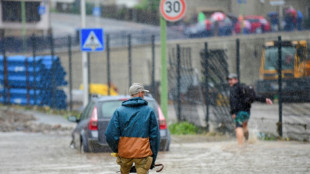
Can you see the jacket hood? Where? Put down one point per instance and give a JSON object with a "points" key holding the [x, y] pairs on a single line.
{"points": [[133, 102]]}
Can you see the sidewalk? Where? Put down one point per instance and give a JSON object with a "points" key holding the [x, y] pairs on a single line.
{"points": [[49, 119]]}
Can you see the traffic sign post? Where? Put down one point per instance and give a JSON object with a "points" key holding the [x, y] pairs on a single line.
{"points": [[171, 10], [84, 58], [164, 78]]}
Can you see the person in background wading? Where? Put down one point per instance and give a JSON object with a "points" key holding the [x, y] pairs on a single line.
{"points": [[239, 110], [133, 133]]}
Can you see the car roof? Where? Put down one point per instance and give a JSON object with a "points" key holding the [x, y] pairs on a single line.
{"points": [[118, 97]]}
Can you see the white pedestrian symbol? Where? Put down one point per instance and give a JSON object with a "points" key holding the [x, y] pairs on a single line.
{"points": [[92, 42]]}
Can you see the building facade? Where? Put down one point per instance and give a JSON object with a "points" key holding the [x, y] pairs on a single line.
{"points": [[246, 7], [34, 20]]}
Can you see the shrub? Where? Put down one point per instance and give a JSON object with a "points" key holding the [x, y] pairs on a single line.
{"points": [[183, 128]]}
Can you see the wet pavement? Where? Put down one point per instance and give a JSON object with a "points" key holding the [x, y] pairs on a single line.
{"points": [[49, 153]]}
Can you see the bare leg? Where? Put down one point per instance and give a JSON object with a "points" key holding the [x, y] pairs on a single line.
{"points": [[239, 135], [246, 130]]}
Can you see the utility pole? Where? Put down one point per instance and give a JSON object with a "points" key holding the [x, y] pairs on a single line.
{"points": [[84, 58]]}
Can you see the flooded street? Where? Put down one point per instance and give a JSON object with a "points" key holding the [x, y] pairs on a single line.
{"points": [[34, 153]]}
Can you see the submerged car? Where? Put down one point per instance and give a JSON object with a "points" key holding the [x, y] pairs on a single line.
{"points": [[88, 135]]}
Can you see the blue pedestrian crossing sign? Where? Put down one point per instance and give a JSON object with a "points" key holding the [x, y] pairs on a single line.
{"points": [[96, 11], [41, 10], [92, 39]]}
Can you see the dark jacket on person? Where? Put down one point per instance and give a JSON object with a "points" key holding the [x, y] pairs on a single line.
{"points": [[133, 131], [236, 102]]}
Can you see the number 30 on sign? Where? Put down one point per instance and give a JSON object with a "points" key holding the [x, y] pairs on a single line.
{"points": [[172, 10]]}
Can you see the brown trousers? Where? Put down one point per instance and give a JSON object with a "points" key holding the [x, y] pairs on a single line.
{"points": [[142, 164]]}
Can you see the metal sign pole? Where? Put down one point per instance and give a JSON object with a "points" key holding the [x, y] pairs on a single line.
{"points": [[172, 11], [84, 58], [164, 78]]}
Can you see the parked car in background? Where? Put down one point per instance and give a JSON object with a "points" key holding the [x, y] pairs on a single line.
{"points": [[200, 29], [257, 24], [88, 136]]}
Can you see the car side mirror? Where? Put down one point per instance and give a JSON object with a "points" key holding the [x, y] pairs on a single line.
{"points": [[73, 119]]}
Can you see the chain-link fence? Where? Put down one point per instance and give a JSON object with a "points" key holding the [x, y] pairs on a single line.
{"points": [[203, 98], [46, 71], [47, 74], [184, 86]]}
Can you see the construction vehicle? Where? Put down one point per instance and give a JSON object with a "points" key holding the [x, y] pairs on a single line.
{"points": [[295, 71]]}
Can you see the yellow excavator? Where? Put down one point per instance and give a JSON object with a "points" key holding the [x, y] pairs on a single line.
{"points": [[295, 71]]}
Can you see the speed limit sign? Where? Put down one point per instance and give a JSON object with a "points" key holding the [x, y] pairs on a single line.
{"points": [[172, 10]]}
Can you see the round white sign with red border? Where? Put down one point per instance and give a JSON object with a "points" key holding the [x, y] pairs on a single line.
{"points": [[172, 10]]}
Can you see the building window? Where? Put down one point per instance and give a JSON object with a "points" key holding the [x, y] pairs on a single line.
{"points": [[11, 11], [32, 12]]}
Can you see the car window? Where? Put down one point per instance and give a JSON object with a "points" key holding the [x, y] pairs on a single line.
{"points": [[107, 108], [82, 116], [153, 105], [271, 62], [87, 111]]}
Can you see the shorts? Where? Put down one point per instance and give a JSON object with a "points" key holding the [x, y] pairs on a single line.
{"points": [[241, 117], [142, 164]]}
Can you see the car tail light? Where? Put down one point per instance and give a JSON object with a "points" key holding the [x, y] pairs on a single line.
{"points": [[93, 123], [123, 99], [162, 119]]}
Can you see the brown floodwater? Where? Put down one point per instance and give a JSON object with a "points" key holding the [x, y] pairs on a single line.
{"points": [[34, 153]]}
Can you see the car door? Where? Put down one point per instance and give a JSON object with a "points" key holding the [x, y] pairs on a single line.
{"points": [[83, 122]]}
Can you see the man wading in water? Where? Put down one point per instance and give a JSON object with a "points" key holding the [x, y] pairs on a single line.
{"points": [[133, 133], [239, 109]]}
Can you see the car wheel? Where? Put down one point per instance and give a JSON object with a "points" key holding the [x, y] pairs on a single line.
{"points": [[168, 145], [84, 146]]}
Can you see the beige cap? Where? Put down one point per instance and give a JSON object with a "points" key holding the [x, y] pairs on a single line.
{"points": [[232, 76], [135, 88]]}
